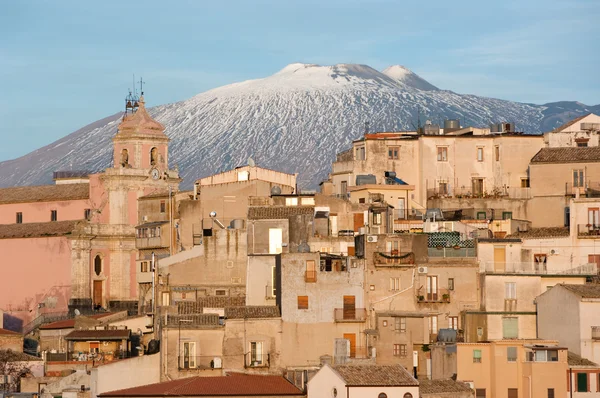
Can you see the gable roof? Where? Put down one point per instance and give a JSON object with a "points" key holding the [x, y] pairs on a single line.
{"points": [[37, 229], [567, 155], [575, 360], [570, 123], [9, 333], [44, 193], [278, 212], [375, 375], [584, 291], [442, 386], [539, 233], [101, 334], [231, 385], [70, 323], [252, 311]]}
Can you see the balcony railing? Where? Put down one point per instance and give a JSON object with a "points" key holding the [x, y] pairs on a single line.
{"points": [[393, 259], [589, 189], [584, 230], [257, 360], [80, 356], [310, 276], [490, 267], [187, 362], [437, 296], [350, 315], [150, 243], [468, 192], [595, 332], [452, 251]]}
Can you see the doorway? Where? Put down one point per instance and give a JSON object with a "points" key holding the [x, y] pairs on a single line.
{"points": [[97, 294]]}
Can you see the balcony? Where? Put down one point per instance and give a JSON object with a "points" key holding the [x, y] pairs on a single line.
{"points": [[588, 230], [439, 296], [467, 192], [143, 277], [310, 276], [490, 267], [93, 357], [589, 189], [595, 332], [350, 315], [257, 360], [150, 243], [454, 251], [199, 362], [394, 259]]}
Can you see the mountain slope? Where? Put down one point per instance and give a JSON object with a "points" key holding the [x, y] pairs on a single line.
{"points": [[294, 121]]}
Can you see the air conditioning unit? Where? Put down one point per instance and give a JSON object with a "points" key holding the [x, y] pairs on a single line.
{"points": [[422, 270], [372, 238]]}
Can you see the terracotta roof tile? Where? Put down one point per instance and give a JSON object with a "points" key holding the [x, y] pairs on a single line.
{"points": [[267, 311], [44, 193], [442, 386], [70, 323], [14, 356], [197, 307], [375, 375], [278, 212], [37, 229], [230, 385], [102, 334], [584, 291], [576, 360], [539, 233], [6, 332], [567, 155]]}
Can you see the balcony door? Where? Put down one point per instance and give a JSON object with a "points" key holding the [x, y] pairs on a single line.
{"points": [[256, 353], [499, 258], [477, 186], [593, 214], [98, 293], [432, 288], [189, 355], [401, 209], [351, 337], [349, 307]]}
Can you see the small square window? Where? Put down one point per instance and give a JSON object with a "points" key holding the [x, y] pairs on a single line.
{"points": [[53, 215], [163, 206], [394, 153], [302, 302], [507, 215], [476, 356], [450, 283]]}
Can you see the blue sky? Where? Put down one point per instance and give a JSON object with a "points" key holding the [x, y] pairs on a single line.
{"points": [[64, 64]]}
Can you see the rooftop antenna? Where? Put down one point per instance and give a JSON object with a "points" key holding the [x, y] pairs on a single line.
{"points": [[366, 127], [141, 86]]}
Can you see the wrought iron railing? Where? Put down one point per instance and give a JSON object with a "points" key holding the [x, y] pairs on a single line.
{"points": [[257, 360], [434, 296], [350, 314], [187, 362], [491, 267]]}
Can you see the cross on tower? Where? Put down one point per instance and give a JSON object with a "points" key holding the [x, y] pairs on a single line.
{"points": [[142, 86]]}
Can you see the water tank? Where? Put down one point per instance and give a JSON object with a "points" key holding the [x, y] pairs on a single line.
{"points": [[390, 174], [447, 335], [431, 129], [276, 190], [366, 179], [451, 124], [237, 223]]}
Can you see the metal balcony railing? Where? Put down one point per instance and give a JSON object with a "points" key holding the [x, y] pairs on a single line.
{"points": [[188, 362], [490, 267], [437, 296], [589, 229], [257, 360], [394, 258], [80, 356], [350, 314]]}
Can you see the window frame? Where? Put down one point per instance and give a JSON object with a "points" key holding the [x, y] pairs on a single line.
{"points": [[53, 215], [450, 283], [442, 153], [19, 217], [510, 290], [480, 154], [509, 357], [477, 356], [163, 206], [497, 152], [302, 302], [393, 152], [578, 176]]}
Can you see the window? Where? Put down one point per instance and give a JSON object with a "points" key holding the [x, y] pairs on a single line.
{"points": [[394, 284], [188, 356], [497, 153], [450, 283], [275, 240], [256, 353], [394, 153], [480, 393], [19, 218], [593, 216], [402, 350], [481, 215], [432, 288], [53, 215], [376, 218], [360, 153], [311, 271], [510, 290], [540, 262], [399, 350], [582, 382], [87, 214], [291, 201], [243, 175], [507, 215], [144, 266], [443, 188], [97, 264], [400, 324], [480, 154], [477, 185], [551, 393], [362, 200], [163, 206], [384, 323], [382, 395], [273, 281], [476, 356], [308, 201], [578, 178], [442, 154], [513, 393], [453, 322], [433, 327], [344, 188], [542, 356], [220, 292], [510, 328], [511, 354], [302, 302], [524, 182]]}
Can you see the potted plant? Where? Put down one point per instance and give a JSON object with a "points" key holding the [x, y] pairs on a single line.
{"points": [[446, 297], [420, 297], [457, 247]]}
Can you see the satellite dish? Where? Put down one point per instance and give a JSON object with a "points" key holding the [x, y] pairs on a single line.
{"points": [[276, 190], [251, 162], [77, 312]]}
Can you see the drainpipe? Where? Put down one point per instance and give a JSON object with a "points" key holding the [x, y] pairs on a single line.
{"points": [[571, 382]]}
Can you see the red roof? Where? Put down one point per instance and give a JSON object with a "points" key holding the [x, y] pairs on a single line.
{"points": [[230, 385], [5, 332], [70, 323]]}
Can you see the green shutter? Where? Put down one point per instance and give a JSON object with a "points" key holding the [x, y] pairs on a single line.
{"points": [[510, 328], [582, 382]]}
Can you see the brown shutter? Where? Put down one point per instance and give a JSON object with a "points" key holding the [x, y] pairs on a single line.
{"points": [[359, 221], [349, 307], [302, 302]]}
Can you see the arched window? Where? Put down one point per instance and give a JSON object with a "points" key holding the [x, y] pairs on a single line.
{"points": [[382, 395], [124, 158], [98, 264], [408, 395], [153, 156]]}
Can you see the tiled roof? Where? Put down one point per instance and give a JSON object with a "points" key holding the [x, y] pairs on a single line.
{"points": [[6, 332], [584, 291], [567, 155], [44, 193], [230, 385], [576, 360], [267, 311], [70, 323], [539, 233], [375, 375], [442, 386], [569, 123], [14, 356], [36, 229], [197, 307], [278, 212], [102, 334]]}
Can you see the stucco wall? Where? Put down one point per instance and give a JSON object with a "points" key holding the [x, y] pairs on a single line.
{"points": [[132, 372], [559, 318], [40, 211]]}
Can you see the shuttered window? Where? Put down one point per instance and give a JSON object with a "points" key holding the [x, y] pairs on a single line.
{"points": [[476, 356], [302, 302], [510, 328], [511, 354], [480, 393], [513, 393], [551, 393], [582, 382]]}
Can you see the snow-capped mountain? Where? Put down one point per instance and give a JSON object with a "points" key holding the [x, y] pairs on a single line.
{"points": [[294, 121]]}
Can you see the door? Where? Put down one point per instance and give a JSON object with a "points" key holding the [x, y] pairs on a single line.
{"points": [[593, 214], [432, 288], [594, 259], [256, 353], [275, 240], [401, 209], [351, 337], [349, 307], [359, 221], [189, 355], [477, 186], [499, 258], [98, 293]]}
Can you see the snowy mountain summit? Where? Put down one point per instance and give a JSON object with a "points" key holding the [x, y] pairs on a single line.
{"points": [[295, 121]]}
